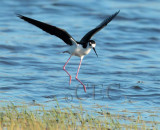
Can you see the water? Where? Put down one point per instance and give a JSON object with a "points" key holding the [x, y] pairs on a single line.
{"points": [[125, 76]]}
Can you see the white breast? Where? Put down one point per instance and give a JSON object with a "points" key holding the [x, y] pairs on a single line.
{"points": [[78, 50]]}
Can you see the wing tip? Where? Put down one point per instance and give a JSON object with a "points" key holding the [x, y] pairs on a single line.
{"points": [[114, 15], [20, 16], [117, 12]]}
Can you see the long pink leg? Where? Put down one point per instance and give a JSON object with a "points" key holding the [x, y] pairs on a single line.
{"points": [[77, 75], [70, 77]]}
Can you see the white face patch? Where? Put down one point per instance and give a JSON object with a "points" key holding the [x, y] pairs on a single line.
{"points": [[93, 45]]}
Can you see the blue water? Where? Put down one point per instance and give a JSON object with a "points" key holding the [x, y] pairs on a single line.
{"points": [[125, 76]]}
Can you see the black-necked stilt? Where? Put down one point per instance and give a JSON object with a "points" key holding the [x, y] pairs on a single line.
{"points": [[79, 49]]}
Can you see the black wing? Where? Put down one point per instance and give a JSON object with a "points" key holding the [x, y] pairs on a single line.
{"points": [[88, 36], [53, 30]]}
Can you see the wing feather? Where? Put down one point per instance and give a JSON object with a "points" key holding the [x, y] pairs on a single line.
{"points": [[53, 30], [88, 36]]}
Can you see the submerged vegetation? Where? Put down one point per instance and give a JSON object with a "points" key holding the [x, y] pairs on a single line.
{"points": [[20, 117]]}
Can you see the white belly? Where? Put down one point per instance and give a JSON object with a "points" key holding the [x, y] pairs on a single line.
{"points": [[79, 50]]}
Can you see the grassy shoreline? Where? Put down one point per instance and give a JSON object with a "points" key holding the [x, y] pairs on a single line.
{"points": [[20, 117]]}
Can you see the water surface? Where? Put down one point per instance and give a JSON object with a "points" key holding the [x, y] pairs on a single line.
{"points": [[125, 76]]}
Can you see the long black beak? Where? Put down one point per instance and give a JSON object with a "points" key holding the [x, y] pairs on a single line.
{"points": [[95, 51]]}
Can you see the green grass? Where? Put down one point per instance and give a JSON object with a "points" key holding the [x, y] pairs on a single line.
{"points": [[20, 117]]}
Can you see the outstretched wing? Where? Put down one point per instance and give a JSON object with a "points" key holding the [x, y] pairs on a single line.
{"points": [[88, 36], [53, 30]]}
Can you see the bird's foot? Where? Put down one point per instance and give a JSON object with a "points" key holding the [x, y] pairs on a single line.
{"points": [[82, 84]]}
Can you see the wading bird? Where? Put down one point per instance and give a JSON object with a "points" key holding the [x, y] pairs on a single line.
{"points": [[75, 48]]}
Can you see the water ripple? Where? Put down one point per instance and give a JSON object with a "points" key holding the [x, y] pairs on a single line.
{"points": [[128, 49]]}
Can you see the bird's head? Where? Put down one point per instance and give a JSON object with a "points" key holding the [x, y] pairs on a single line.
{"points": [[92, 44]]}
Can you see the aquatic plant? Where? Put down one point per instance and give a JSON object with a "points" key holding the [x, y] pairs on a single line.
{"points": [[21, 117]]}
